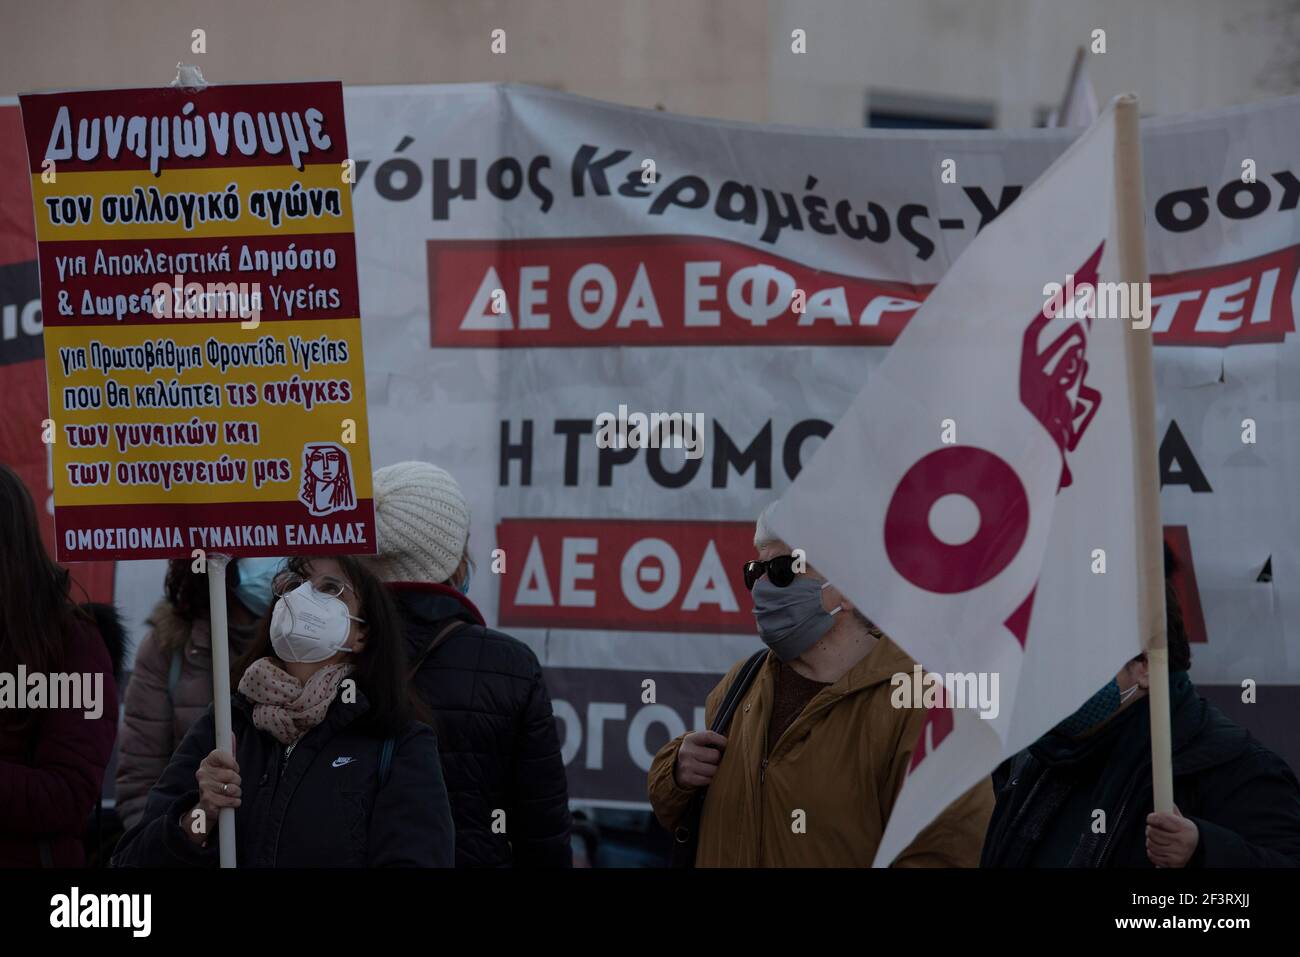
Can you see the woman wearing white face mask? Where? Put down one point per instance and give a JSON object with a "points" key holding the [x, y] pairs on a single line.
{"points": [[171, 679], [331, 765]]}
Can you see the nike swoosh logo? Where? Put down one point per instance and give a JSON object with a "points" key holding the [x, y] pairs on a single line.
{"points": [[339, 762]]}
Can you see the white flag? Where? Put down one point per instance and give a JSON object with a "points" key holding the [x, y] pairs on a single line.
{"points": [[1079, 105], [977, 500]]}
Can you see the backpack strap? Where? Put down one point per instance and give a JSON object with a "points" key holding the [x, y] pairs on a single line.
{"points": [[686, 835], [744, 679], [174, 672], [452, 626], [386, 759]]}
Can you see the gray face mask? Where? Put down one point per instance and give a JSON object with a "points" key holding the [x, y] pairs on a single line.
{"points": [[791, 620]]}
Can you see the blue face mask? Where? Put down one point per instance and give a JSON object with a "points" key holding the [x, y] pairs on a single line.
{"points": [[254, 588], [791, 620], [1098, 709], [464, 582]]}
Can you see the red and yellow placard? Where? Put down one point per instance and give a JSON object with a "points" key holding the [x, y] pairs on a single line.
{"points": [[202, 333]]}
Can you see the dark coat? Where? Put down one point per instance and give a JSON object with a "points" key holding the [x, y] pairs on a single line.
{"points": [[52, 769], [498, 740], [1244, 800], [315, 810], [111, 632]]}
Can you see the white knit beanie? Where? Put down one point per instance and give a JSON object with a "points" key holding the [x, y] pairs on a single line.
{"points": [[422, 522]]}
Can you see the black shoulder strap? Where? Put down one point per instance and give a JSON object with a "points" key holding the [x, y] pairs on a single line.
{"points": [[386, 760], [686, 835], [744, 679]]}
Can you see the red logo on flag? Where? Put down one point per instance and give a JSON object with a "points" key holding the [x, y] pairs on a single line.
{"points": [[1052, 384], [1054, 389]]}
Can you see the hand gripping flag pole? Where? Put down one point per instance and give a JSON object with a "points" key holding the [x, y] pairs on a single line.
{"points": [[1130, 208]]}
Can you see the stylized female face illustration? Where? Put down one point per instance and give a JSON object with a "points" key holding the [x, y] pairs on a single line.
{"points": [[326, 464], [1068, 369]]}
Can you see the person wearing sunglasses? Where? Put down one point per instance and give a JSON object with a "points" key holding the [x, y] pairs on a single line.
{"points": [[334, 764], [808, 770]]}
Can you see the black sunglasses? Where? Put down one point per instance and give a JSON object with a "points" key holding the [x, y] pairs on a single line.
{"points": [[779, 571]]}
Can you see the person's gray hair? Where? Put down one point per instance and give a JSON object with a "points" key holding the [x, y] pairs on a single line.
{"points": [[764, 533]]}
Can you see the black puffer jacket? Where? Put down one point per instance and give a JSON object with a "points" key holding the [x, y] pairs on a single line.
{"points": [[324, 807], [496, 733], [1243, 798]]}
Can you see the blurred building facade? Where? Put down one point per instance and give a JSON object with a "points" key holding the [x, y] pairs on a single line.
{"points": [[997, 63]]}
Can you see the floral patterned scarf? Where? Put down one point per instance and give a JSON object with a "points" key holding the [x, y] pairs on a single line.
{"points": [[283, 705]]}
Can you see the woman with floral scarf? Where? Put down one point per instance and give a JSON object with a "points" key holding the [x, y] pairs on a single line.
{"points": [[332, 765]]}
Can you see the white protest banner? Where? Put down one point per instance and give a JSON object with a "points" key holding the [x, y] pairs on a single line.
{"points": [[632, 556]]}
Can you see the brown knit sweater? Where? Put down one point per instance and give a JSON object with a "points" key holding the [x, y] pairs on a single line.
{"points": [[792, 693]]}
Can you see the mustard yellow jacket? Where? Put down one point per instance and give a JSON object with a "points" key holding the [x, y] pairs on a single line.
{"points": [[841, 763]]}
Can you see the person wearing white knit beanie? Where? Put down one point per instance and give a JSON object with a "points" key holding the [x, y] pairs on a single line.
{"points": [[485, 689], [422, 524]]}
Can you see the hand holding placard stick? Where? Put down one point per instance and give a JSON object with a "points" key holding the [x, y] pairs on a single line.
{"points": [[216, 565]]}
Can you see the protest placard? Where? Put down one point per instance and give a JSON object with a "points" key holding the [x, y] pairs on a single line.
{"points": [[202, 333]]}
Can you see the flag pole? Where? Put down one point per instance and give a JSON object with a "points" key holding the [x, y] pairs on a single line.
{"points": [[216, 565], [1071, 82], [1130, 208]]}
